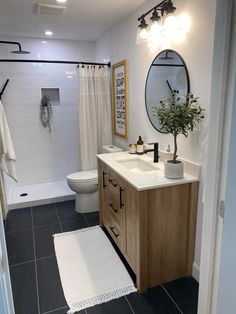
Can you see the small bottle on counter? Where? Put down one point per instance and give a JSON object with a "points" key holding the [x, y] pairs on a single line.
{"points": [[140, 146]]}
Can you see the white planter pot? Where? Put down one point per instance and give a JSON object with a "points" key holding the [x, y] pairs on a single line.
{"points": [[174, 170]]}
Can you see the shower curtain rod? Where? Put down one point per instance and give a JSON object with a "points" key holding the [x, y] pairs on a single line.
{"points": [[54, 61]]}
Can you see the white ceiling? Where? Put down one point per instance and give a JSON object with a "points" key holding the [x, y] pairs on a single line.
{"points": [[83, 19]]}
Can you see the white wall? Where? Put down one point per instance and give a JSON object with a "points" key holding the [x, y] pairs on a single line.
{"points": [[43, 156], [197, 51]]}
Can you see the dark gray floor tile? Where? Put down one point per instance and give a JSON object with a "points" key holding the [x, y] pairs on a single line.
{"points": [[116, 306], [51, 295], [19, 219], [43, 237], [184, 292], [60, 311], [20, 246], [23, 281], [159, 301], [92, 218], [44, 215], [72, 225], [66, 211], [139, 304]]}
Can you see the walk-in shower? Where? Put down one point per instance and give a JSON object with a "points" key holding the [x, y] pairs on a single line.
{"points": [[44, 158]]}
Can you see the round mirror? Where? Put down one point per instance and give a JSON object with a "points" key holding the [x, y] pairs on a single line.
{"points": [[167, 72]]}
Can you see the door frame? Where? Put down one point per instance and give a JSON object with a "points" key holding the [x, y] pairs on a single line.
{"points": [[218, 147], [6, 298]]}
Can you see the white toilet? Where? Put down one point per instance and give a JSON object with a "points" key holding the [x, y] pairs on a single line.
{"points": [[85, 185]]}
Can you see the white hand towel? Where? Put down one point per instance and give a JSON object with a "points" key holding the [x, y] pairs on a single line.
{"points": [[7, 153]]}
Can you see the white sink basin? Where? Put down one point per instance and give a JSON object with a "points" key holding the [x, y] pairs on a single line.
{"points": [[137, 165]]}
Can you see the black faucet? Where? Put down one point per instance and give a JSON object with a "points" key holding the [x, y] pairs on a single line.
{"points": [[155, 150]]}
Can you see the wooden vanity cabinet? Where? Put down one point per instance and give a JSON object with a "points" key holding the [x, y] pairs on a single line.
{"points": [[154, 229]]}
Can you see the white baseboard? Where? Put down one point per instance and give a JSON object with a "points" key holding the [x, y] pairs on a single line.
{"points": [[196, 272]]}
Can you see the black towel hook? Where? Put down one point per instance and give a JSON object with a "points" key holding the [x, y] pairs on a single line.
{"points": [[4, 87]]}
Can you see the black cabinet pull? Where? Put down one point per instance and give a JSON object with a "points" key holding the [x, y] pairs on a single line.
{"points": [[103, 179], [116, 234], [114, 184], [121, 203], [114, 209]]}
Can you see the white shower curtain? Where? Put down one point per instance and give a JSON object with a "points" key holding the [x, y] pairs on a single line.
{"points": [[94, 108]]}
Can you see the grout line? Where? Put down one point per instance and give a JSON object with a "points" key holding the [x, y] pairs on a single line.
{"points": [[18, 264], [47, 225], [36, 272], [58, 216], [24, 229], [129, 305], [45, 257], [172, 299], [60, 308], [85, 220]]}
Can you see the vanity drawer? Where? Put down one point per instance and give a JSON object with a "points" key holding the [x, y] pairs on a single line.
{"points": [[116, 233], [115, 205], [113, 180]]}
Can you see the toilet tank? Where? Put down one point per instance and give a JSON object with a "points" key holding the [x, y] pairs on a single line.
{"points": [[110, 149]]}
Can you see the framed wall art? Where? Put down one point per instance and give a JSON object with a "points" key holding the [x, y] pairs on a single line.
{"points": [[120, 98]]}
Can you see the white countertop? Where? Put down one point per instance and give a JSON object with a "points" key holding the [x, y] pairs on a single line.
{"points": [[143, 180]]}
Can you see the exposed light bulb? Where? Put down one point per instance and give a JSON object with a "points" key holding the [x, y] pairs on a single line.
{"points": [[155, 28], [170, 22], [143, 33]]}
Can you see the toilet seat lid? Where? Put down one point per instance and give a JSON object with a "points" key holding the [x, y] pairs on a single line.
{"points": [[80, 176]]}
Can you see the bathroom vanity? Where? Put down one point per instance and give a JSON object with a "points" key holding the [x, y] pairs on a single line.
{"points": [[151, 218]]}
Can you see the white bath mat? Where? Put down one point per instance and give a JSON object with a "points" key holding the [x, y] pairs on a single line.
{"points": [[91, 271]]}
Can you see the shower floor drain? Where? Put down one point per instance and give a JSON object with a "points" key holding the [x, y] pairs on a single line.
{"points": [[23, 194]]}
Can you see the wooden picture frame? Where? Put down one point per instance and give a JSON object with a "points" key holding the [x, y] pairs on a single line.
{"points": [[120, 98]]}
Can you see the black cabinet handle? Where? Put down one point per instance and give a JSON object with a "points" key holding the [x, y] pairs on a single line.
{"points": [[103, 179], [114, 184], [113, 230], [121, 203], [114, 209]]}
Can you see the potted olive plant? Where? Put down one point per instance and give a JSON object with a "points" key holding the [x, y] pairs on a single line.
{"points": [[177, 115]]}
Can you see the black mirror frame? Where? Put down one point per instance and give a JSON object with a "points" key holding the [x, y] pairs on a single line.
{"points": [[187, 75]]}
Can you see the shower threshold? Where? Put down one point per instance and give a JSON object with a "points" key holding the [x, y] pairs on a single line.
{"points": [[39, 194]]}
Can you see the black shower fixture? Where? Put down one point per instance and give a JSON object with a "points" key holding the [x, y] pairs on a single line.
{"points": [[166, 57], [19, 51]]}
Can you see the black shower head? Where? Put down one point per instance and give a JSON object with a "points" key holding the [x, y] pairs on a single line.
{"points": [[20, 52], [166, 57]]}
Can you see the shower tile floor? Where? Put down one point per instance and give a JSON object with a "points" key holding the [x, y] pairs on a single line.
{"points": [[34, 273]]}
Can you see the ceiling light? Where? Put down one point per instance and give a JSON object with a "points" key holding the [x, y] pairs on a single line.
{"points": [[48, 33], [61, 1]]}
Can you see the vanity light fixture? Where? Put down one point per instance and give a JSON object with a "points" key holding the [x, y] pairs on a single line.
{"points": [[164, 26]]}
